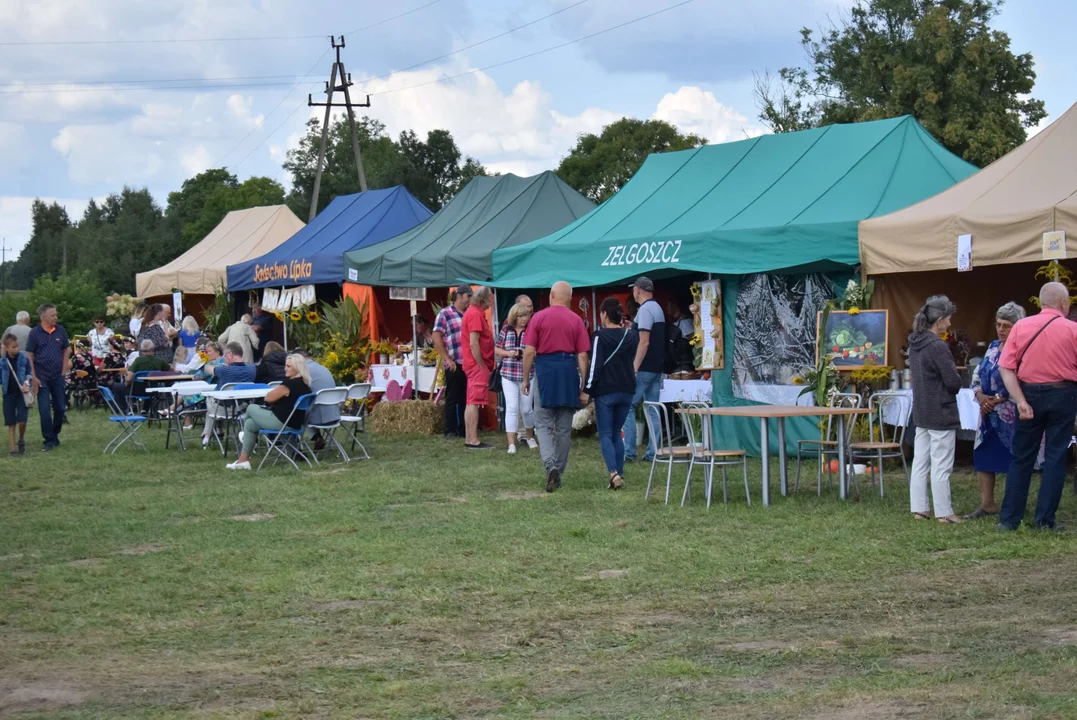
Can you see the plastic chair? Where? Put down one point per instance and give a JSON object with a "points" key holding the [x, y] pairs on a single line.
{"points": [[289, 438], [356, 424], [656, 416], [828, 444], [709, 459], [129, 423], [393, 392], [330, 397], [889, 444]]}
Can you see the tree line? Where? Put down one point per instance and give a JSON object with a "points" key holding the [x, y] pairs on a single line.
{"points": [[937, 60]]}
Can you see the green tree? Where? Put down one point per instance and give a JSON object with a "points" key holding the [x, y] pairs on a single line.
{"points": [[76, 297], [186, 205], [431, 170], [599, 165], [43, 254], [937, 60], [253, 192]]}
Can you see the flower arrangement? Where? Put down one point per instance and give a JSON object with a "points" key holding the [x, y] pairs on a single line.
{"points": [[120, 306], [870, 377], [960, 346], [1055, 271], [346, 362], [857, 297]]}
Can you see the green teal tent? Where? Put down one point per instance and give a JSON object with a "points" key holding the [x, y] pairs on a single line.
{"points": [[787, 203], [488, 213]]}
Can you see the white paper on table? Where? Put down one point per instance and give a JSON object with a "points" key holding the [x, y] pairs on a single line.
{"points": [[964, 253]]}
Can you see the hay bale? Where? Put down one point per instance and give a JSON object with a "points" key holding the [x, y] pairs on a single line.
{"points": [[409, 417]]}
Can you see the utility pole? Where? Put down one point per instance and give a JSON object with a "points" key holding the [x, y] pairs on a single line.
{"points": [[331, 87], [3, 266]]}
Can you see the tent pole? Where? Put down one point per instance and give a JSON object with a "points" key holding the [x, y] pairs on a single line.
{"points": [[594, 310], [414, 352]]}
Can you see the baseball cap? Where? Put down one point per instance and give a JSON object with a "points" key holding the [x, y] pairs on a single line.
{"points": [[463, 290], [643, 283]]}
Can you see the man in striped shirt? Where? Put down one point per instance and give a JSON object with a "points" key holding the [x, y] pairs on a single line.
{"points": [[447, 341]]}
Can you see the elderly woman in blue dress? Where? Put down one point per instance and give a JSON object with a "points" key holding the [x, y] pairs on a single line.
{"points": [[998, 414]]}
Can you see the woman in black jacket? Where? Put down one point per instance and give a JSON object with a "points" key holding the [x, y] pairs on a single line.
{"points": [[611, 381], [271, 367], [935, 384]]}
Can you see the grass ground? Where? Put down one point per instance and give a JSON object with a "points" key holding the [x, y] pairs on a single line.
{"points": [[434, 583]]}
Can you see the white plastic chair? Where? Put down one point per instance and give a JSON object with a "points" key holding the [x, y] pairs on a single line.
{"points": [[326, 398], [355, 425]]}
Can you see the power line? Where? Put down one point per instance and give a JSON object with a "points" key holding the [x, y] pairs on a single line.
{"points": [[141, 41], [52, 91], [77, 83], [537, 52]]}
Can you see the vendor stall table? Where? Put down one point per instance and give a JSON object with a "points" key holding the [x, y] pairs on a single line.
{"points": [[675, 391], [967, 408], [381, 375], [780, 412]]}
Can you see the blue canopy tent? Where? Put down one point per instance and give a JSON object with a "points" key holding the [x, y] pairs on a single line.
{"points": [[315, 254]]}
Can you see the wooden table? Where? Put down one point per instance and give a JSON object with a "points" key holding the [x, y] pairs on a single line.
{"points": [[780, 412]]}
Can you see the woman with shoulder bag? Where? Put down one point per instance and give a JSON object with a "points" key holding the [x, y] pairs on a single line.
{"points": [[611, 381], [510, 349]]}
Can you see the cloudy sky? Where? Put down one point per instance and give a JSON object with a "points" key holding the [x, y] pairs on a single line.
{"points": [[77, 122]]}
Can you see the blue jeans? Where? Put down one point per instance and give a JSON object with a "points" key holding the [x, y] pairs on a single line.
{"points": [[648, 387], [1053, 411], [610, 413], [51, 403]]}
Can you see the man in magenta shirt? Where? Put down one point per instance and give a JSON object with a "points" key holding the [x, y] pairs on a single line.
{"points": [[477, 351], [1039, 367], [556, 345]]}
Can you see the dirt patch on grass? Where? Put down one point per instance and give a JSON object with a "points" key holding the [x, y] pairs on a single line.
{"points": [[89, 563], [340, 605], [927, 661], [38, 696], [761, 646], [603, 575], [1060, 637], [526, 495], [887, 710], [254, 517], [142, 550]]}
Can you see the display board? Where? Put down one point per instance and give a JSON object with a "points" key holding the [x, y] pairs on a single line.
{"points": [[708, 323]]}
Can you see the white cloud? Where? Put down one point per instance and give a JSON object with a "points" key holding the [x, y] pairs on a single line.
{"points": [[108, 154], [13, 147], [16, 220], [694, 110], [196, 160], [239, 107]]}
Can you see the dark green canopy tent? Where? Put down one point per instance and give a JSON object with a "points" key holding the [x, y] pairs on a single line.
{"points": [[457, 242]]}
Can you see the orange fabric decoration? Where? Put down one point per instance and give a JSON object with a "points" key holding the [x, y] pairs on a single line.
{"points": [[361, 294]]}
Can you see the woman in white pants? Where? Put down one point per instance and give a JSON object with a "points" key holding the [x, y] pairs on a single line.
{"points": [[510, 349], [935, 384]]}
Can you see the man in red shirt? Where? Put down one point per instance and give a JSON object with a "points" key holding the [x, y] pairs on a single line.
{"points": [[1039, 367], [556, 345], [477, 350]]}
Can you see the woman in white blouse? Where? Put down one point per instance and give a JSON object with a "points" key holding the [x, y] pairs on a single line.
{"points": [[99, 347]]}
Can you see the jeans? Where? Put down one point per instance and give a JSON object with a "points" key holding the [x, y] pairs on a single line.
{"points": [[1053, 412], [648, 387], [455, 400], [610, 413], [553, 427], [517, 404], [934, 456], [51, 403]]}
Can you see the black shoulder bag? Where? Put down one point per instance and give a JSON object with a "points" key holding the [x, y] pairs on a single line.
{"points": [[495, 377]]}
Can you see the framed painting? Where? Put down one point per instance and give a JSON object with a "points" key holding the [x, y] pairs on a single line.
{"points": [[851, 340]]}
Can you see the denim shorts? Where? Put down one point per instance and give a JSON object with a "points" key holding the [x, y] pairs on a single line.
{"points": [[14, 410]]}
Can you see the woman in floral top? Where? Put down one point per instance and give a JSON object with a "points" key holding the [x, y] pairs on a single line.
{"points": [[510, 349]]}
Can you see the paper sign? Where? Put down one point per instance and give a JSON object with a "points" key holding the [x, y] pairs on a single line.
{"points": [[286, 299], [414, 308], [1054, 245], [964, 253], [177, 307], [407, 293], [353, 274]]}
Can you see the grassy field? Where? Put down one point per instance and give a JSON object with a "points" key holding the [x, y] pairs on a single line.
{"points": [[431, 582]]}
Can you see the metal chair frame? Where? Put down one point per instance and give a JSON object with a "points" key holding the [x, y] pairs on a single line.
{"points": [[710, 459], [656, 416], [360, 392], [888, 445], [129, 423], [324, 398], [828, 445], [287, 438]]}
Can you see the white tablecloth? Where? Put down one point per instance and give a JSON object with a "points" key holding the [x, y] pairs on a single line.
{"points": [[775, 394], [967, 408], [685, 391], [380, 375]]}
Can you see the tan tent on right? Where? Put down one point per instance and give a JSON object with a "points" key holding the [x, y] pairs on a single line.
{"points": [[1006, 207]]}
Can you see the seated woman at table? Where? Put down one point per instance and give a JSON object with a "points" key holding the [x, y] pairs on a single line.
{"points": [[280, 402], [271, 367], [204, 374], [935, 384], [611, 381], [998, 414], [116, 358], [82, 378]]}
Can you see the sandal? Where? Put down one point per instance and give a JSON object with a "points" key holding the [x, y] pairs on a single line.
{"points": [[949, 521], [616, 481], [921, 516]]}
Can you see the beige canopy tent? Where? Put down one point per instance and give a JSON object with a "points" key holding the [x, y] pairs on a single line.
{"points": [[1006, 207], [242, 235]]}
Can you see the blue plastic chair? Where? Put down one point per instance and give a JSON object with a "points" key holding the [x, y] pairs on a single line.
{"points": [[289, 439], [129, 424]]}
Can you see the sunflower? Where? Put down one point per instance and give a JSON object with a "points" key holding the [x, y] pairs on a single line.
{"points": [[854, 311], [295, 316], [312, 317], [279, 316]]}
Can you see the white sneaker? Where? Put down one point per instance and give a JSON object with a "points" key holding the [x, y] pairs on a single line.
{"points": [[532, 443], [245, 465], [512, 449]]}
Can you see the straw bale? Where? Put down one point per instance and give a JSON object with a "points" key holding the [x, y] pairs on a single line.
{"points": [[409, 417]]}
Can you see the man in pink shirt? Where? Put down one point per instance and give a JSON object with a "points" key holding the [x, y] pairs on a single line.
{"points": [[556, 345], [1039, 367], [477, 351]]}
